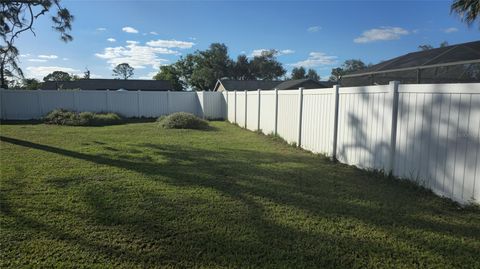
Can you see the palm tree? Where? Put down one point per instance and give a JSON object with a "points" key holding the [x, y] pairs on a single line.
{"points": [[468, 10]]}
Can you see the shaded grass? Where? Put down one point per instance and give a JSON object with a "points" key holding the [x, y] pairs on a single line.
{"points": [[136, 195]]}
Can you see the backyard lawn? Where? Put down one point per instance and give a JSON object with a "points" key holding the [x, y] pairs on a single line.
{"points": [[135, 195]]}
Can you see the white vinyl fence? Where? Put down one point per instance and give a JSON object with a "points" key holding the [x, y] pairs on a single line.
{"points": [[26, 105], [427, 133]]}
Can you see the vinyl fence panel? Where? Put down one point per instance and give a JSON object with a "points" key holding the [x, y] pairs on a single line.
{"points": [[153, 104], [288, 115], [240, 109], [231, 106], [318, 120], [252, 110], [364, 122], [267, 112], [438, 140], [21, 105], [212, 105]]}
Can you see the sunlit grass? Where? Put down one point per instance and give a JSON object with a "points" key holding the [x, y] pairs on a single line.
{"points": [[137, 195]]}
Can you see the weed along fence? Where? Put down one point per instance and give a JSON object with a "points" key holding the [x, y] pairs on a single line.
{"points": [[427, 133], [25, 105]]}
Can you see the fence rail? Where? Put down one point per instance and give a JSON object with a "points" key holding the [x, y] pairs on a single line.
{"points": [[427, 133]]}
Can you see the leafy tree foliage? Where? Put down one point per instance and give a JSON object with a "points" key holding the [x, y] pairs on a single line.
{"points": [[298, 72], [429, 47], [353, 65], [349, 66], [201, 69], [301, 73], [123, 71], [266, 66], [170, 73], [30, 84], [210, 65], [18, 16], [242, 69], [312, 74], [58, 76], [468, 10]]}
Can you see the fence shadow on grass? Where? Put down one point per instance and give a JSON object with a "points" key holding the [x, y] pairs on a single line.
{"points": [[267, 209]]}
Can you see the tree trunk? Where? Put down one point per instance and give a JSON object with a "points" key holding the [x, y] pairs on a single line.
{"points": [[3, 82]]}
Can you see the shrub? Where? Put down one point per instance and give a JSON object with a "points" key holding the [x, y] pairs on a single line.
{"points": [[65, 117], [182, 120]]}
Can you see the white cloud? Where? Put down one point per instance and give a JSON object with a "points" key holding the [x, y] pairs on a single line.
{"points": [[130, 30], [48, 56], [381, 34], [37, 60], [450, 30], [316, 59], [101, 29], [285, 52], [65, 59], [111, 39], [153, 33], [171, 44], [258, 52], [25, 55], [313, 29], [41, 71], [132, 42], [136, 55]]}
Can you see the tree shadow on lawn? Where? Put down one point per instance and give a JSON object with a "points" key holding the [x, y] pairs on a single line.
{"points": [[267, 209]]}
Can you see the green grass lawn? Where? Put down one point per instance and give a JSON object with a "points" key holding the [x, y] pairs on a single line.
{"points": [[134, 195]]}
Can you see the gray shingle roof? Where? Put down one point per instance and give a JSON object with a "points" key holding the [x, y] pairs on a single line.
{"points": [[449, 54], [110, 84]]}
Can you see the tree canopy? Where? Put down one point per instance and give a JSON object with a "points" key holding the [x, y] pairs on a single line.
{"points": [[468, 10], [349, 66], [123, 71], [201, 69], [301, 73], [170, 73], [58, 76], [18, 16]]}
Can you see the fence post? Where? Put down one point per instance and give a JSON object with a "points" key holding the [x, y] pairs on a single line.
{"points": [[203, 104], [246, 107], [138, 104], [276, 112], [335, 121], [393, 92], [300, 108], [258, 112], [235, 106]]}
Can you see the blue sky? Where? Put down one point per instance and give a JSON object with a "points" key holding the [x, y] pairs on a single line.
{"points": [[315, 34]]}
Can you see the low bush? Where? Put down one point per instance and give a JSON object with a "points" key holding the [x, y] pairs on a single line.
{"points": [[65, 117], [182, 120]]}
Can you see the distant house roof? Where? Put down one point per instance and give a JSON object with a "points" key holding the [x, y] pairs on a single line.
{"points": [[109, 84], [253, 85], [464, 53]]}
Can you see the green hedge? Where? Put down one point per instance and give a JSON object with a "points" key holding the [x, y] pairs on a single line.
{"points": [[182, 120], [65, 117]]}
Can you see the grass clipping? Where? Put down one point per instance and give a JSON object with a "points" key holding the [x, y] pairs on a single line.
{"points": [[65, 117], [182, 120]]}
